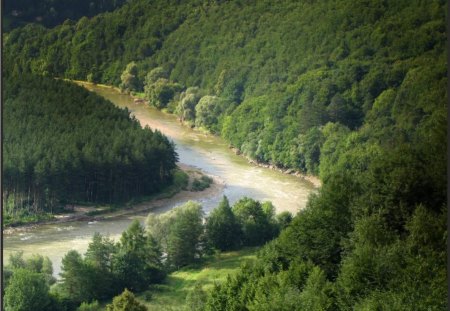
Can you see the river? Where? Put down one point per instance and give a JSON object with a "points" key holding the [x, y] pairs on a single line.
{"points": [[206, 152]]}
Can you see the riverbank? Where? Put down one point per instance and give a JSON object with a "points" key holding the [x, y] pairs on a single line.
{"points": [[314, 180], [309, 178], [139, 99], [93, 214]]}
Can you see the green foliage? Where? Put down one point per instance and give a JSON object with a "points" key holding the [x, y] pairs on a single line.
{"points": [[373, 237], [186, 105], [202, 183], [172, 295], [184, 240], [180, 233], [328, 69], [207, 111], [77, 283], [258, 225], [35, 263], [159, 90], [317, 293], [284, 219], [222, 228], [108, 268], [16, 260], [27, 290], [354, 91], [129, 78], [99, 258], [138, 260], [310, 146], [51, 13], [196, 298], [51, 157], [93, 306], [125, 301]]}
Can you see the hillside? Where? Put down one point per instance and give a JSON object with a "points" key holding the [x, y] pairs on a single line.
{"points": [[352, 91], [50, 13], [65, 145], [278, 72]]}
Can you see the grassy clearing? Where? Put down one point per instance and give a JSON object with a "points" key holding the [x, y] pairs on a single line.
{"points": [[172, 294]]}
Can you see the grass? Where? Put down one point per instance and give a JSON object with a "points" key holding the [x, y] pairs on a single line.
{"points": [[172, 294], [140, 95]]}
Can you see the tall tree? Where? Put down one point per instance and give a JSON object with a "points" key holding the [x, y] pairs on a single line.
{"points": [[138, 260], [222, 228], [26, 290]]}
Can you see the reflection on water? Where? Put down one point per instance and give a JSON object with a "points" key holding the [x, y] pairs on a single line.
{"points": [[206, 152]]}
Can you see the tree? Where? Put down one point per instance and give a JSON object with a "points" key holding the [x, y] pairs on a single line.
{"points": [[310, 146], [208, 111], [317, 293], [284, 219], [255, 223], [77, 279], [35, 263], [100, 252], [26, 290], [129, 78], [16, 260], [180, 232], [138, 260], [222, 228], [125, 301], [47, 266], [161, 92], [186, 106], [99, 258], [155, 74], [184, 239]]}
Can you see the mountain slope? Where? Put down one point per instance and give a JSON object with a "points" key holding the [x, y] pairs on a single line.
{"points": [[283, 69]]}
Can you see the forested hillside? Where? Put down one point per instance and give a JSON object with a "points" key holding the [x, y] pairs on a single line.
{"points": [[63, 144], [274, 73], [51, 12], [375, 236], [352, 91]]}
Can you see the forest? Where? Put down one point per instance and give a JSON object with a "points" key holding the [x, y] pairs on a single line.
{"points": [[64, 145], [354, 92], [50, 13], [141, 258], [267, 77]]}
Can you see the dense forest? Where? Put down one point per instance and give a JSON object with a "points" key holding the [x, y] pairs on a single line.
{"points": [[51, 12], [141, 258], [352, 91], [63, 144], [266, 76]]}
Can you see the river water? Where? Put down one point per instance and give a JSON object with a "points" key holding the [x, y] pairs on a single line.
{"points": [[206, 152]]}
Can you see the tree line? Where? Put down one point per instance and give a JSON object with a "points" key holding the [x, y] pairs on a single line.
{"points": [[142, 257], [66, 145]]}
